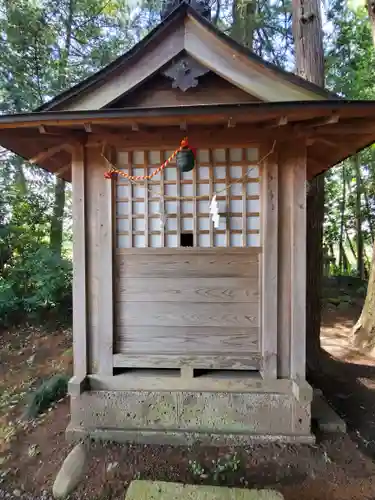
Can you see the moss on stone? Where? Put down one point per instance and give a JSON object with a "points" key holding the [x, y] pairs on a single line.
{"points": [[153, 490]]}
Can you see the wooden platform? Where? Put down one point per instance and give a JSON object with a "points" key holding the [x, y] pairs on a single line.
{"points": [[152, 490]]}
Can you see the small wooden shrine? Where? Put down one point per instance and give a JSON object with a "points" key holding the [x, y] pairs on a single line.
{"points": [[190, 254]]}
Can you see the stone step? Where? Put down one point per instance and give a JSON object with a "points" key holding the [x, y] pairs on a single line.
{"points": [[325, 416], [155, 490]]}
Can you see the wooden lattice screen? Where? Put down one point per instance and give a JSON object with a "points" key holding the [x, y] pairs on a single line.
{"points": [[140, 207]]}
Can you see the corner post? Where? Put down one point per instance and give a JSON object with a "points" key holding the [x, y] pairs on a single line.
{"points": [[76, 384]]}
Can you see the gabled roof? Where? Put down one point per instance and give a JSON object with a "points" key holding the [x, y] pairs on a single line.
{"points": [[184, 30], [275, 105]]}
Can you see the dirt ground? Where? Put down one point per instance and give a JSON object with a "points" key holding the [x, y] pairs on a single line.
{"points": [[336, 468]]}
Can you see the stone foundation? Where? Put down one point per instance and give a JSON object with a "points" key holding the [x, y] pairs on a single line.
{"points": [[178, 417]]}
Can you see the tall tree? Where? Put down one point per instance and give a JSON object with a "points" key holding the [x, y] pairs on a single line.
{"points": [[363, 334], [308, 40], [371, 13], [244, 21]]}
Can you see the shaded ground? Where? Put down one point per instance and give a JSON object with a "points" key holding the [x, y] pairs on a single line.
{"points": [[336, 468]]}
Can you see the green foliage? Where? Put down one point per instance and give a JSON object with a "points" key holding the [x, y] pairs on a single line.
{"points": [[220, 469], [37, 283], [48, 392]]}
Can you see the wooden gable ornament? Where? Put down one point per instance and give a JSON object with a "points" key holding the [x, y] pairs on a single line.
{"points": [[185, 73]]}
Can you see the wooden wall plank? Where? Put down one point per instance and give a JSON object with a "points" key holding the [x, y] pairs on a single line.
{"points": [[185, 265], [80, 330], [270, 228], [148, 289], [173, 339], [194, 315], [231, 361], [157, 92]]}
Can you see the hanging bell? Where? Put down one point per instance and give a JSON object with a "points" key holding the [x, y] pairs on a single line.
{"points": [[185, 159]]}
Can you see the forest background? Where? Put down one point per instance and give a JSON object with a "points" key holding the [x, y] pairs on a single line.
{"points": [[47, 46]]}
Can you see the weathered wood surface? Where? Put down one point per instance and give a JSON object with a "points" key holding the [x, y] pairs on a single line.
{"points": [[99, 263], [79, 264], [185, 290], [188, 302], [211, 89], [269, 263], [284, 264], [171, 339], [192, 314], [114, 87], [193, 265], [214, 361], [298, 265]]}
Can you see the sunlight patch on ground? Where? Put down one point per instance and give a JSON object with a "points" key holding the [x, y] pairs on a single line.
{"points": [[334, 338]]}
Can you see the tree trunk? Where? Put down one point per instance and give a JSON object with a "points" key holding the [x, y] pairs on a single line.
{"points": [[342, 219], [244, 22], [358, 215], [56, 234], [363, 333], [371, 13], [308, 40], [57, 221]]}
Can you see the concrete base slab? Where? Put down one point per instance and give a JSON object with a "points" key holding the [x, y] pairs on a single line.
{"points": [[187, 417], [181, 438], [326, 417], [153, 490]]}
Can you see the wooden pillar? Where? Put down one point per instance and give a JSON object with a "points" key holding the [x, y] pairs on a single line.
{"points": [[298, 266], [79, 264], [292, 261], [100, 262], [269, 214]]}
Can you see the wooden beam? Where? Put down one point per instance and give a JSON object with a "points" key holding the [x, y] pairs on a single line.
{"points": [[44, 155], [199, 136], [79, 264], [279, 122], [321, 122], [62, 170]]}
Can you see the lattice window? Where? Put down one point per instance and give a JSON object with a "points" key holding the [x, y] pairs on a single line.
{"points": [[155, 213]]}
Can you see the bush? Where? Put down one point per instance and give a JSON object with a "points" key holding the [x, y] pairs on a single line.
{"points": [[48, 392], [38, 283]]}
